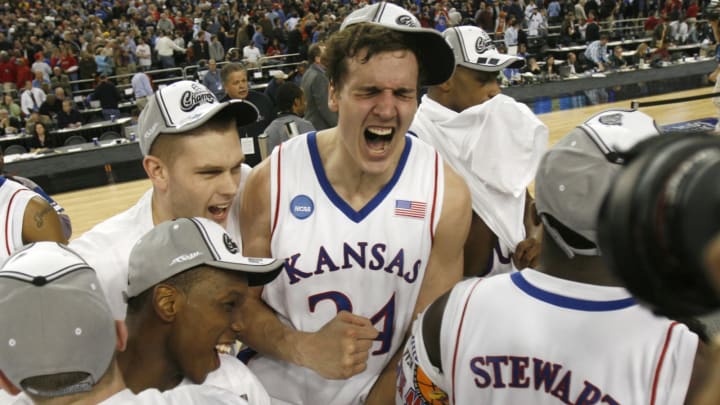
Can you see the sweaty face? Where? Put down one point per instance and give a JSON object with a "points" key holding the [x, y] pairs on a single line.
{"points": [[236, 85], [203, 326], [204, 175], [375, 105], [470, 88]]}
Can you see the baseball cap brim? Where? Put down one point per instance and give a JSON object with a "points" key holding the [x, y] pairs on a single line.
{"points": [[176, 246], [474, 49], [258, 271], [165, 115], [433, 52]]}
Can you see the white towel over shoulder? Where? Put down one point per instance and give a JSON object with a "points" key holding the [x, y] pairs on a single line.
{"points": [[496, 147]]}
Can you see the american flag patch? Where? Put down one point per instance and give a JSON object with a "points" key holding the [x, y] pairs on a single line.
{"points": [[413, 209]]}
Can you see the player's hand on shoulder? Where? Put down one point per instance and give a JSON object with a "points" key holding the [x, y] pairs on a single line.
{"points": [[340, 349], [527, 254]]}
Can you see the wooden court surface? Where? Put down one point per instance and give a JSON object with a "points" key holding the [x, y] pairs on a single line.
{"points": [[91, 206]]}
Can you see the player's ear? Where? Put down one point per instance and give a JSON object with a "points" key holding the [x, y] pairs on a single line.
{"points": [[167, 302], [332, 98], [156, 170], [122, 335]]}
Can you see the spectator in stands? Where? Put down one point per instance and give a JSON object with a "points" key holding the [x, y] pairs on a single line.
{"points": [[596, 53], [200, 49], [251, 54], [11, 106], [275, 48], [537, 23], [165, 24], [42, 138], [574, 64], [259, 39], [315, 85], [42, 66], [51, 107], [8, 71], [661, 33], [213, 81], [532, 66], [592, 28], [87, 67], [8, 125], [180, 57], [22, 73], [69, 116], [60, 79], [297, 75], [143, 54], [31, 99], [235, 82], [278, 77], [660, 55], [484, 17], [617, 60], [69, 65], [165, 48], [109, 97], [579, 10], [40, 82], [679, 30], [216, 50], [291, 107], [554, 12], [569, 33], [549, 69], [34, 118], [511, 32], [103, 63]]}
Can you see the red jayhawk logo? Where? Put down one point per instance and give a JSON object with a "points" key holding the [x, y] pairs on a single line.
{"points": [[193, 98]]}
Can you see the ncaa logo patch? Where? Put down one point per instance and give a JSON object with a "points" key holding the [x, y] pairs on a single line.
{"points": [[301, 206]]}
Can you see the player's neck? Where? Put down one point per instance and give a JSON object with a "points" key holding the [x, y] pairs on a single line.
{"points": [[110, 384], [160, 209], [582, 269], [144, 364], [349, 180]]}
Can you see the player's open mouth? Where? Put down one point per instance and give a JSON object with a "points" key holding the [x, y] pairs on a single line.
{"points": [[378, 138], [223, 348], [218, 212]]}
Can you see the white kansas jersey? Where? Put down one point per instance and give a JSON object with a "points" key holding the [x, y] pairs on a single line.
{"points": [[369, 262], [553, 342], [14, 197]]}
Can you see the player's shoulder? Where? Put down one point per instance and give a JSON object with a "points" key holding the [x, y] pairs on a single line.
{"points": [[233, 375], [123, 228]]}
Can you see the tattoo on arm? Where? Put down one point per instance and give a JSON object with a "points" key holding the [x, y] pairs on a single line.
{"points": [[40, 216]]}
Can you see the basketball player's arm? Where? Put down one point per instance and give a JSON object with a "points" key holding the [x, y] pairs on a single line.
{"points": [[527, 252], [478, 249], [444, 269], [41, 223], [703, 388], [339, 349]]}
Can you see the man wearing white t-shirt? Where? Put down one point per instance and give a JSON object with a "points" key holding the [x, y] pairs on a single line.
{"points": [[251, 54]]}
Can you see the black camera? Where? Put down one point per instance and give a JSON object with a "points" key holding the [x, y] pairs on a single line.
{"points": [[657, 219]]}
